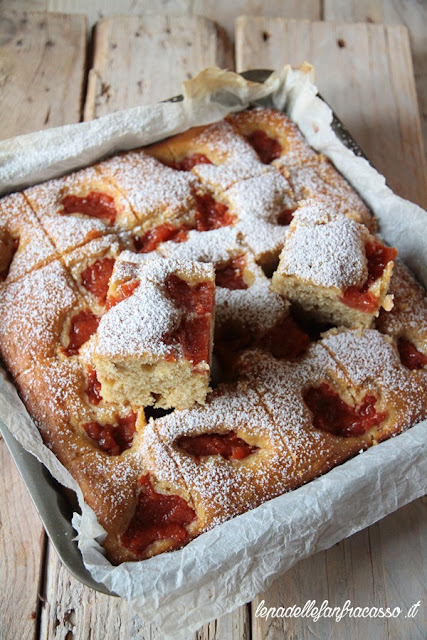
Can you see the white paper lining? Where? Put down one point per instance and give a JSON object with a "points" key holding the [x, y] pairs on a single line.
{"points": [[229, 565]]}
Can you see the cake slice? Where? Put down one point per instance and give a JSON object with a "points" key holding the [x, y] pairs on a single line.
{"points": [[334, 269], [154, 344]]}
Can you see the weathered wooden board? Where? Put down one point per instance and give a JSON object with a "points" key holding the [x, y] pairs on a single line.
{"points": [[144, 60], [378, 567], [22, 540], [222, 11], [42, 70], [371, 85], [410, 13], [71, 608]]}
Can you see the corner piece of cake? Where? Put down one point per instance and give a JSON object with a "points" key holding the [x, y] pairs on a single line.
{"points": [[153, 346], [333, 268]]}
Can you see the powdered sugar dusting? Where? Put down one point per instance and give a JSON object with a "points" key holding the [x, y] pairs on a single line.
{"points": [[259, 202], [217, 246], [18, 222], [35, 308], [265, 407], [256, 308], [330, 254], [137, 326], [148, 185], [227, 145], [221, 488], [67, 231], [224, 176], [321, 182], [408, 316], [368, 358]]}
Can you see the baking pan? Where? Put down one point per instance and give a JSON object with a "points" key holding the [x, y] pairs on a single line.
{"points": [[53, 504]]}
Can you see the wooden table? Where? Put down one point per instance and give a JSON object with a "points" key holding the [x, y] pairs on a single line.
{"points": [[51, 73]]}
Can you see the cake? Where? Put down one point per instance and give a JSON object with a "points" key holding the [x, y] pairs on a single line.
{"points": [[153, 346], [334, 269], [107, 285]]}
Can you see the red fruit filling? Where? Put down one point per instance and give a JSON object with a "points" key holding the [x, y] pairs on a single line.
{"points": [[164, 232], [230, 275], [211, 214], [410, 356], [187, 163], [157, 517], [113, 439], [194, 331], [95, 278], [83, 325], [267, 148], [124, 291], [332, 414], [95, 204], [378, 256], [93, 389], [227, 445]]}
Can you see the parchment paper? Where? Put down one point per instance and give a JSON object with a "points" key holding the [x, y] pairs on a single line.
{"points": [[229, 565]]}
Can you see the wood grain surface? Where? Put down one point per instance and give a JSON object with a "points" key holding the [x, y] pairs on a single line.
{"points": [[383, 564], [42, 70], [22, 542], [378, 567], [409, 13], [371, 88], [222, 11], [131, 48]]}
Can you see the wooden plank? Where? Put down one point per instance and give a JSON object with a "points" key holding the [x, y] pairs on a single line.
{"points": [[378, 567], [407, 12], [70, 607], [233, 626], [154, 54], [25, 5], [42, 70], [402, 547], [21, 552], [96, 10], [72, 610], [222, 11], [411, 14], [226, 12], [353, 11], [371, 88]]}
